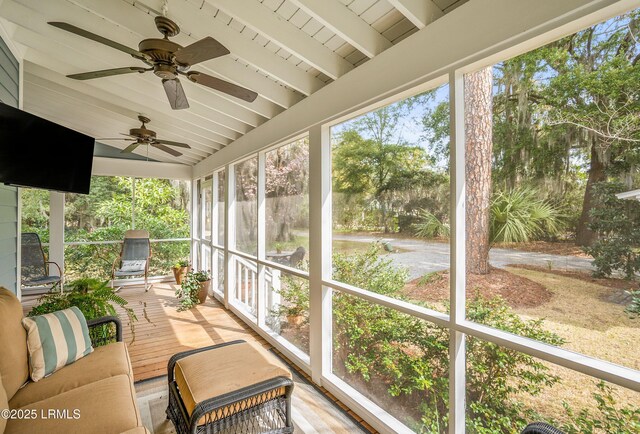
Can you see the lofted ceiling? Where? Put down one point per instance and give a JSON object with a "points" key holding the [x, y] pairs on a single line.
{"points": [[284, 50]]}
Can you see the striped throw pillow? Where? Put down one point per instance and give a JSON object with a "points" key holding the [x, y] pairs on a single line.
{"points": [[55, 340]]}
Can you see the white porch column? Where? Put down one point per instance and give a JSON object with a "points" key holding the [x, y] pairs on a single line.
{"points": [[320, 315], [56, 230], [457, 344]]}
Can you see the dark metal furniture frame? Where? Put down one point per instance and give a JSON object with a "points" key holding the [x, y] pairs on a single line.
{"points": [[540, 428], [101, 335], [276, 409]]}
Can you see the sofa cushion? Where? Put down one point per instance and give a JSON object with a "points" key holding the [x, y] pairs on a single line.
{"points": [[105, 407], [106, 361], [4, 404], [137, 430], [14, 367], [55, 340]]}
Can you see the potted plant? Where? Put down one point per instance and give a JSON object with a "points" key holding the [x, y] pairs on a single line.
{"points": [[180, 269], [295, 297], [194, 289], [278, 248]]}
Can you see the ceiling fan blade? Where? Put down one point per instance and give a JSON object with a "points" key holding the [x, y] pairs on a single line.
{"points": [[204, 49], [166, 149], [130, 148], [222, 86], [114, 138], [107, 73], [169, 142], [108, 42], [175, 93]]}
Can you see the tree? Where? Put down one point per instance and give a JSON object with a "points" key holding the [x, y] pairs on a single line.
{"points": [[287, 183], [594, 91], [478, 93]]}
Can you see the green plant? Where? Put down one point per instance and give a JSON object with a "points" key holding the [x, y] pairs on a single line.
{"points": [[408, 357], [430, 226], [617, 223], [94, 299], [181, 263], [519, 216], [187, 293], [607, 418], [295, 297], [278, 247], [633, 309]]}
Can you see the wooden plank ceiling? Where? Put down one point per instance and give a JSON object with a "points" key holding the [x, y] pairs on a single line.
{"points": [[284, 50]]}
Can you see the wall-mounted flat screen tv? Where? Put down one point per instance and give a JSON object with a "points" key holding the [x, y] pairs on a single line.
{"points": [[35, 152]]}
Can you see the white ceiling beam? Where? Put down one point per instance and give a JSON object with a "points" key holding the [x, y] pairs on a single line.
{"points": [[345, 23], [129, 108], [229, 69], [105, 57], [140, 169], [419, 12], [196, 22], [200, 147], [285, 35]]}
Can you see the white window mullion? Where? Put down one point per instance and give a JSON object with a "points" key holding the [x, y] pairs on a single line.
{"points": [[320, 306], [457, 349], [229, 232], [261, 293]]}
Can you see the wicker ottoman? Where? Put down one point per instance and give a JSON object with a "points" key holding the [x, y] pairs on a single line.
{"points": [[235, 387]]}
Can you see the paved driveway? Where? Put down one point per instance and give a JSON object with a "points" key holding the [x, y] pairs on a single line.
{"points": [[423, 257]]}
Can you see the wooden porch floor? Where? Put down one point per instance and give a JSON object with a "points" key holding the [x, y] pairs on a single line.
{"points": [[162, 331]]}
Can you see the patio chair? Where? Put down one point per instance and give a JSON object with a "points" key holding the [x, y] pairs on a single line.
{"points": [[297, 257], [134, 257], [35, 266]]}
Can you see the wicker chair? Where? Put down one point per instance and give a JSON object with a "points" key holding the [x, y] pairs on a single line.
{"points": [[540, 428], [134, 257], [35, 266], [297, 257]]}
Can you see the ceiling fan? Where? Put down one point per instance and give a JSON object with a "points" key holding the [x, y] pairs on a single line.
{"points": [[167, 60], [144, 136]]}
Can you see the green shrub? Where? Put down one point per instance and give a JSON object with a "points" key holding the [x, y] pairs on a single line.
{"points": [[429, 226], [410, 356], [607, 418], [519, 216], [617, 223], [94, 299]]}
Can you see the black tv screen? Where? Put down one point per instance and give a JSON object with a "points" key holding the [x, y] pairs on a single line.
{"points": [[35, 152]]}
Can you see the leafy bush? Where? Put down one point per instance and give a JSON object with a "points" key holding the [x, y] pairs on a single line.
{"points": [[430, 226], [634, 307], [409, 356], [617, 223], [608, 418], [519, 216], [94, 299], [516, 216]]}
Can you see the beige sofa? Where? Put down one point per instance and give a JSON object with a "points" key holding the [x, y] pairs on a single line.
{"points": [[93, 395]]}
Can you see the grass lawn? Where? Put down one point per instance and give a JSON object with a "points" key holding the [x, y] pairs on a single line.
{"points": [[580, 312]]}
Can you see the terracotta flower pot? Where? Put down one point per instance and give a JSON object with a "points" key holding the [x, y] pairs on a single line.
{"points": [[295, 320], [204, 291], [179, 273]]}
